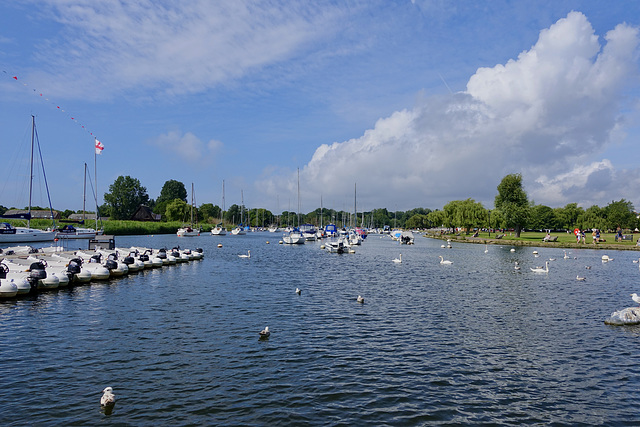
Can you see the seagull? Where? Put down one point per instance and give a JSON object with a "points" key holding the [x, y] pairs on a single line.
{"points": [[248, 255], [265, 332], [108, 398], [444, 261], [635, 297], [580, 279], [360, 299], [588, 267], [398, 260], [517, 267], [540, 269], [298, 291]]}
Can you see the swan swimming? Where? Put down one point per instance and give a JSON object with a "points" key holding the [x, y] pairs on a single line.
{"points": [[580, 279], [444, 261], [108, 398], [265, 332], [248, 255], [565, 255], [486, 249], [540, 269], [398, 260], [517, 266]]}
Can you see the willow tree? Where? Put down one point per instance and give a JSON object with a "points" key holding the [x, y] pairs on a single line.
{"points": [[512, 202], [466, 214]]}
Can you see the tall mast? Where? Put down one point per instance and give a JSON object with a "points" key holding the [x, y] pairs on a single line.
{"points": [[84, 193], [95, 172], [33, 129], [355, 206], [192, 204], [298, 197], [222, 216]]}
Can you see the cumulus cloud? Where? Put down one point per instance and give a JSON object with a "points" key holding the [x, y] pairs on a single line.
{"points": [[111, 47], [547, 114], [188, 147]]}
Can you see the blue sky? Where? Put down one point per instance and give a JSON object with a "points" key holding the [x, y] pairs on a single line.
{"points": [[417, 102]]}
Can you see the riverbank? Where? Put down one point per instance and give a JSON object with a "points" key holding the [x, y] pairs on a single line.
{"points": [[536, 241]]}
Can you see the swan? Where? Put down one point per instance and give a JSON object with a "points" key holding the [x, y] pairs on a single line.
{"points": [[444, 261], [398, 260], [108, 398], [635, 297], [635, 261], [565, 255], [512, 250], [265, 332], [580, 279], [517, 266], [298, 291], [360, 299], [486, 249], [248, 255], [540, 269]]}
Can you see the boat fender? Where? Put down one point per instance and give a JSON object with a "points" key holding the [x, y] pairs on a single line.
{"points": [[111, 264]]}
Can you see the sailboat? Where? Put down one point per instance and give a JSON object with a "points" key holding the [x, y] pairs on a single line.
{"points": [[239, 230], [189, 231], [295, 236], [219, 230], [71, 232], [11, 234]]}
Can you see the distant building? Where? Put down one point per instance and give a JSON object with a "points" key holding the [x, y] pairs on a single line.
{"points": [[144, 213], [87, 217], [39, 214]]}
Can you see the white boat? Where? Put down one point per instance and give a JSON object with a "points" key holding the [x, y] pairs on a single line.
{"points": [[218, 230], [38, 276], [19, 278], [339, 245], [308, 231], [11, 234], [406, 238], [8, 288], [294, 237], [189, 231], [238, 231]]}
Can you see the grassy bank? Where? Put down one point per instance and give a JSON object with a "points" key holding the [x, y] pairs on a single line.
{"points": [[115, 227], [532, 238]]}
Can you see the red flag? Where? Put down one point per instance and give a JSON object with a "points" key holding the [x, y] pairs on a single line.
{"points": [[99, 147]]}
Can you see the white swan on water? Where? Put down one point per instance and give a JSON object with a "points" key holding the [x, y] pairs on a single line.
{"points": [[580, 279], [517, 266], [540, 269], [444, 261], [398, 259], [248, 255], [108, 398]]}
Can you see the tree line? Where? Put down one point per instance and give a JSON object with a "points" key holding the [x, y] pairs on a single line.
{"points": [[513, 210]]}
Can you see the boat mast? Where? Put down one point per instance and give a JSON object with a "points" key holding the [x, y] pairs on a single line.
{"points": [[95, 172], [33, 129], [84, 193], [192, 204], [242, 208], [298, 197], [321, 211], [355, 205], [222, 215]]}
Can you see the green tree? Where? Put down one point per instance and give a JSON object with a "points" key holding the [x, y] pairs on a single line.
{"points": [[417, 221], [178, 210], [171, 190], [592, 217], [512, 202], [125, 195], [542, 217], [437, 218], [209, 213], [620, 215], [568, 216], [466, 214], [232, 215]]}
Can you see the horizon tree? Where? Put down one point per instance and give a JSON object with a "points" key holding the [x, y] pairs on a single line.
{"points": [[512, 202]]}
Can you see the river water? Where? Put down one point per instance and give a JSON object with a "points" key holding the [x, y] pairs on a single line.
{"points": [[469, 343]]}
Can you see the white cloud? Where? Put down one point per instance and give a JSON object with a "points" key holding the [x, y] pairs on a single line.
{"points": [[110, 47], [188, 147], [547, 114]]}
